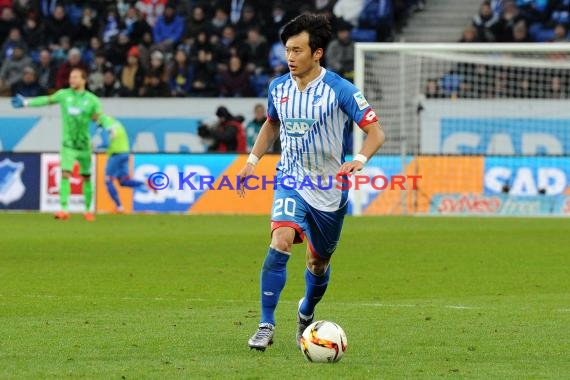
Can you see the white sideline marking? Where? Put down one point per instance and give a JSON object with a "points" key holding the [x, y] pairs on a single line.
{"points": [[168, 299], [249, 301]]}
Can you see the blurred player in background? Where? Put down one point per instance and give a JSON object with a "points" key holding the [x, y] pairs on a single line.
{"points": [[78, 108], [310, 110], [116, 142]]}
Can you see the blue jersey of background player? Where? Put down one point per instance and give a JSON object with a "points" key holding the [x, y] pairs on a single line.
{"points": [[116, 142], [310, 109]]}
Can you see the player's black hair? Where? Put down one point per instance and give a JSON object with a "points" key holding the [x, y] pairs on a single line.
{"points": [[317, 26]]}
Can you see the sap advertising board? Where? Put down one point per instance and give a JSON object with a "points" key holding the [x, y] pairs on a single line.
{"points": [[495, 127]]}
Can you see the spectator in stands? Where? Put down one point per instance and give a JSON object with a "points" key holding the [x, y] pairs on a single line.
{"points": [[155, 81], [520, 33], [486, 22], [8, 21], [469, 34], [33, 32], [279, 17], [227, 134], [151, 10], [557, 88], [204, 75], [254, 126], [181, 75], [24, 8], [132, 74], [255, 52], [96, 72], [111, 26], [169, 28], [12, 69], [248, 20], [46, 71], [277, 60], [112, 87], [118, 48], [433, 90], [58, 25], [144, 49], [510, 16], [560, 34], [60, 51], [73, 61], [197, 22], [14, 39], [234, 82], [340, 52], [219, 21], [90, 51], [136, 26], [226, 47], [28, 86], [88, 27]]}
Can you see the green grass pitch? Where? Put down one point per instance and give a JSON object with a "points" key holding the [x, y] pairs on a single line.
{"points": [[171, 296]]}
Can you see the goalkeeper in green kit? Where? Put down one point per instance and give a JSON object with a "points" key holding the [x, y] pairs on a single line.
{"points": [[78, 108]]}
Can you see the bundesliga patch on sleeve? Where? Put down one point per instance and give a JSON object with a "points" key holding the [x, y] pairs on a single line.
{"points": [[360, 100]]}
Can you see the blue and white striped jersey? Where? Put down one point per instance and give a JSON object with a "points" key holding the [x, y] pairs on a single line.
{"points": [[314, 131]]}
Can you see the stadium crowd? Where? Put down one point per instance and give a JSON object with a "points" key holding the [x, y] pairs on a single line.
{"points": [[183, 48], [513, 21]]}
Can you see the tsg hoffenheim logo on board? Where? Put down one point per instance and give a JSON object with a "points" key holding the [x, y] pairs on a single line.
{"points": [[12, 188]]}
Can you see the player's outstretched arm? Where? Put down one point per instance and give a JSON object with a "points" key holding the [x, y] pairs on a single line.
{"points": [[374, 139], [268, 133], [20, 101]]}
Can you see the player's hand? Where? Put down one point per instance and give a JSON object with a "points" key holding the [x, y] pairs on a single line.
{"points": [[246, 171], [351, 167], [18, 101]]}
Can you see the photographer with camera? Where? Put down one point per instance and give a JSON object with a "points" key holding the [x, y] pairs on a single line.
{"points": [[226, 135]]}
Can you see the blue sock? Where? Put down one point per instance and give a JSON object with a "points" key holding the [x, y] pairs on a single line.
{"points": [[273, 277], [315, 288], [127, 182], [112, 190]]}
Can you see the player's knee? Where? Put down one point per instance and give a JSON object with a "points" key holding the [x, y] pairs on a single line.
{"points": [[282, 239], [281, 244], [66, 174], [317, 265]]}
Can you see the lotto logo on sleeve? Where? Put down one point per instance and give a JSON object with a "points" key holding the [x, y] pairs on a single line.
{"points": [[370, 116]]}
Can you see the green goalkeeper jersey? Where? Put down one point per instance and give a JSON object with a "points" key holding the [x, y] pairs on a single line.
{"points": [[77, 111], [119, 140]]}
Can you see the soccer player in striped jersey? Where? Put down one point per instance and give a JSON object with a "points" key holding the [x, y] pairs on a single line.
{"points": [[310, 109]]}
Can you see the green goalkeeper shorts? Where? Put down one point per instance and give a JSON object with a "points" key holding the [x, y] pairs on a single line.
{"points": [[69, 156]]}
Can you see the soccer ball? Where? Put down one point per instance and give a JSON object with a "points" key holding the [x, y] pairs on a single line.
{"points": [[323, 342]]}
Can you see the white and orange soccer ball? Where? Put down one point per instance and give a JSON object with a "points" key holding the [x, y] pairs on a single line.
{"points": [[323, 342]]}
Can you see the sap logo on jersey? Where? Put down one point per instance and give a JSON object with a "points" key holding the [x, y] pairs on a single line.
{"points": [[12, 188], [298, 127]]}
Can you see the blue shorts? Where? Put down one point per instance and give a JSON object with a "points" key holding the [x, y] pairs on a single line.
{"points": [[322, 228], [117, 166]]}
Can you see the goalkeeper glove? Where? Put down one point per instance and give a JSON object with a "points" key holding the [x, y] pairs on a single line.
{"points": [[19, 101]]}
